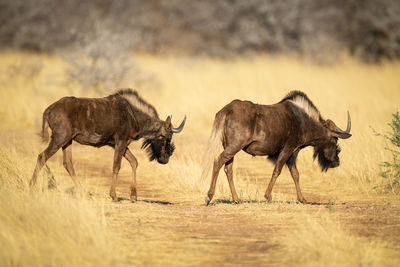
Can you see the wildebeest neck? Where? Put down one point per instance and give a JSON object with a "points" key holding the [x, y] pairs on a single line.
{"points": [[137, 102], [144, 116], [150, 127], [144, 125]]}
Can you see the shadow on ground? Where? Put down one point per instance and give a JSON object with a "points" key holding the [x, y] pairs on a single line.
{"points": [[225, 201], [120, 199]]}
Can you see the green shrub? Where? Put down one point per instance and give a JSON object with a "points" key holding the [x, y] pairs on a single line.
{"points": [[391, 169]]}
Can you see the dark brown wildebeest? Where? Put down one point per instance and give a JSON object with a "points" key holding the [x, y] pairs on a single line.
{"points": [[279, 131], [115, 120]]}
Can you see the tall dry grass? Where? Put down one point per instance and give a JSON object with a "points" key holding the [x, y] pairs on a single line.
{"points": [[47, 227], [324, 241], [43, 227]]}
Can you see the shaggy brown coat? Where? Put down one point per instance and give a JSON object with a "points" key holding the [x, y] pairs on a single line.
{"points": [[115, 120], [279, 131]]}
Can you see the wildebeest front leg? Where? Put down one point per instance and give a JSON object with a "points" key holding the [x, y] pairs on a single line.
{"points": [[282, 158], [132, 160], [229, 174], [120, 148], [295, 175]]}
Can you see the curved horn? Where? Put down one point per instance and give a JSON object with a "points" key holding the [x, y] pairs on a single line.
{"points": [[344, 134], [180, 128], [348, 122]]}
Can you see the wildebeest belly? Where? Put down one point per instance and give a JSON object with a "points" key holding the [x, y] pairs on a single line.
{"points": [[93, 139], [262, 148], [269, 135], [96, 132]]}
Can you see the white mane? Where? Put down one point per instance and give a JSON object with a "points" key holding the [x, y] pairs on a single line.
{"points": [[301, 100]]}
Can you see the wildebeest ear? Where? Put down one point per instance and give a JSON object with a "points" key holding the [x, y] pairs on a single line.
{"points": [[339, 133], [168, 124], [330, 124]]}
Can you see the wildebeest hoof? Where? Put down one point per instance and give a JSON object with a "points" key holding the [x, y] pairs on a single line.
{"points": [[209, 197], [268, 198], [237, 201], [114, 197], [208, 200], [133, 199], [302, 200]]}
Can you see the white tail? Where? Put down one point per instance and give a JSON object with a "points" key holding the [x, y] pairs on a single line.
{"points": [[214, 147]]}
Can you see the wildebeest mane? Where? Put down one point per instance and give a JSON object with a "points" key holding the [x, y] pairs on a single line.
{"points": [[137, 102], [302, 100]]}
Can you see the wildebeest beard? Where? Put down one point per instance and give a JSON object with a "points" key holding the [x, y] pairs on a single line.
{"points": [[154, 148], [323, 162]]}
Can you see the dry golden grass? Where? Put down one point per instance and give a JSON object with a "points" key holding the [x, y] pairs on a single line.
{"points": [[48, 228], [324, 242], [350, 222]]}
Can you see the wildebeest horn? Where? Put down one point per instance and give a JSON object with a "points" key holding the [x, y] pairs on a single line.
{"points": [[180, 128], [344, 134]]}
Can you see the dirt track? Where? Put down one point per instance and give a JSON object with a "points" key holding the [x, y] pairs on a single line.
{"points": [[171, 225], [187, 232]]}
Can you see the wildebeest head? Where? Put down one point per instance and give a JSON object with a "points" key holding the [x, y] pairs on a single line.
{"points": [[159, 146], [327, 149]]}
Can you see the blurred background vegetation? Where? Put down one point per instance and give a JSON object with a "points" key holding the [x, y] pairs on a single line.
{"points": [[193, 57], [368, 29]]}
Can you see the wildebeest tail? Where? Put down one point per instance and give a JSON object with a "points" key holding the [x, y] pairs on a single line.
{"points": [[214, 147], [44, 134]]}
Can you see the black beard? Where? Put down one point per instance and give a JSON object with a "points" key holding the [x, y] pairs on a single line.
{"points": [[153, 153], [323, 162]]}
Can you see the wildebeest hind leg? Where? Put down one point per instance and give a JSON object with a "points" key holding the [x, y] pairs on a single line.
{"points": [[229, 174], [67, 162], [52, 148], [225, 156], [132, 160]]}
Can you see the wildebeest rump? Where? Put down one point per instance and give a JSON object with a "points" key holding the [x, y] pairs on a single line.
{"points": [[115, 120], [279, 131]]}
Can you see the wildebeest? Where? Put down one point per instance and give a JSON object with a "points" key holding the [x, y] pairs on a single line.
{"points": [[279, 131], [115, 120]]}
